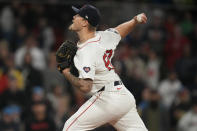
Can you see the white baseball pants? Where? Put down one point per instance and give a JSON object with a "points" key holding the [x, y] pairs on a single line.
{"points": [[116, 107]]}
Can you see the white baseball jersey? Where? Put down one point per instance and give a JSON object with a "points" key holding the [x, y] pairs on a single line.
{"points": [[115, 104], [93, 58]]}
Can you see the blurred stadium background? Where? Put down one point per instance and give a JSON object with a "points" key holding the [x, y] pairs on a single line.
{"points": [[157, 62]]}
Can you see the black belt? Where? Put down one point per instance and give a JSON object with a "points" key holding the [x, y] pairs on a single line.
{"points": [[116, 83]]}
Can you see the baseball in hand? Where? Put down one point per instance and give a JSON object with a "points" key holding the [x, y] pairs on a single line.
{"points": [[139, 18]]}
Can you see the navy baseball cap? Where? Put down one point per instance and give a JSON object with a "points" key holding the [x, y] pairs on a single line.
{"points": [[90, 13]]}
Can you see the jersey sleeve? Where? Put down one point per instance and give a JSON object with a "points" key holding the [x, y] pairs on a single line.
{"points": [[112, 36], [86, 66]]}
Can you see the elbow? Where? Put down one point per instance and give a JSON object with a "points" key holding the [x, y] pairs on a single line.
{"points": [[85, 89], [86, 86]]}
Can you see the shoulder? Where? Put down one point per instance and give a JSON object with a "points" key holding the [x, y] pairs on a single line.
{"points": [[110, 31], [110, 38]]}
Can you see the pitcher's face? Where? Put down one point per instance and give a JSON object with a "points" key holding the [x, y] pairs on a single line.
{"points": [[78, 23]]}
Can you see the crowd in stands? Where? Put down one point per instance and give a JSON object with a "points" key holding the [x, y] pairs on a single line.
{"points": [[156, 62]]}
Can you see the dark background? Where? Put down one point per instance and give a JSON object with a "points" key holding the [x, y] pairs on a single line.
{"points": [[157, 62]]}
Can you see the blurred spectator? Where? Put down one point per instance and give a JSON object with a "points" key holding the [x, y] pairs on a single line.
{"points": [[152, 70], [51, 75], [9, 67], [3, 83], [16, 113], [9, 119], [193, 37], [187, 25], [7, 23], [122, 54], [170, 24], [38, 95], [145, 100], [19, 77], [136, 86], [47, 36], [13, 95], [168, 89], [144, 51], [40, 120], [29, 14], [181, 105], [193, 86], [174, 47], [186, 66], [4, 53], [156, 33], [154, 115], [189, 120], [19, 37], [38, 58], [134, 39], [32, 76], [135, 71], [60, 103], [135, 66]]}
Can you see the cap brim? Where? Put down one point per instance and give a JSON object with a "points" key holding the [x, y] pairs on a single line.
{"points": [[75, 9]]}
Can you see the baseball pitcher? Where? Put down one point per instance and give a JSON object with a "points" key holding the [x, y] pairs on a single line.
{"points": [[111, 102]]}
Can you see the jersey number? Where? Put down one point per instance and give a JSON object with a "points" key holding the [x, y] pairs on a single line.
{"points": [[107, 59]]}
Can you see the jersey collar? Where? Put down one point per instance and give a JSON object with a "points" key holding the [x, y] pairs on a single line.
{"points": [[94, 39]]}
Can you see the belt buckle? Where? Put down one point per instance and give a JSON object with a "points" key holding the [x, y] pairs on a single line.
{"points": [[117, 83]]}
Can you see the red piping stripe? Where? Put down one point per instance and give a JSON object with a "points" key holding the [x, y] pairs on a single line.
{"points": [[91, 42], [83, 112]]}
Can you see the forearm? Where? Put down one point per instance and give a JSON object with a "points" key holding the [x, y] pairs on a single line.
{"points": [[84, 85], [75, 81], [126, 27]]}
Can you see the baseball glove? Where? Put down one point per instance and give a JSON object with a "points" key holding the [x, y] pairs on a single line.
{"points": [[65, 55]]}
